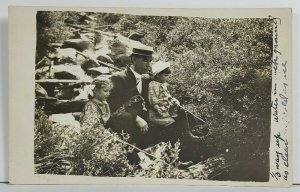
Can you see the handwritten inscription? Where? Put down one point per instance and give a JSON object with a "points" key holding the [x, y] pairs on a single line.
{"points": [[278, 139], [284, 68], [284, 99], [275, 112], [276, 36], [281, 157], [275, 64], [279, 107], [284, 154]]}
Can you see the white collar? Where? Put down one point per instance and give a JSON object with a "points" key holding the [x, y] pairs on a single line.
{"points": [[137, 76]]}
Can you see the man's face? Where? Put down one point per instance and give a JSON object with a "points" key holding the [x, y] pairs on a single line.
{"points": [[141, 64]]}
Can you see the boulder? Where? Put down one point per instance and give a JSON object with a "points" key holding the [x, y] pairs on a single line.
{"points": [[121, 49], [65, 119], [136, 36], [63, 106], [89, 63], [122, 60], [42, 72], [104, 58], [67, 71], [73, 92], [40, 91], [78, 44], [96, 71], [62, 56], [45, 61]]}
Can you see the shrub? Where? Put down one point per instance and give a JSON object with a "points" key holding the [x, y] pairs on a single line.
{"points": [[99, 152], [165, 165]]}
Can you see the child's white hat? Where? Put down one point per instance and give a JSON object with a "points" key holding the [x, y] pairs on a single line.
{"points": [[159, 66]]}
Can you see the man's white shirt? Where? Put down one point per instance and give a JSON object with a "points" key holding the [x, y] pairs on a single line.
{"points": [[138, 78]]}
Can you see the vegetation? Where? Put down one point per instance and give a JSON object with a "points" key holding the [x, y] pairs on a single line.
{"points": [[221, 71]]}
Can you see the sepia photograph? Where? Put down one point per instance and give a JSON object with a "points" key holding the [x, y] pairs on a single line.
{"points": [[121, 95], [150, 96]]}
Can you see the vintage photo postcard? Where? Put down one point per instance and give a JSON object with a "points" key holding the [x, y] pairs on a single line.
{"points": [[150, 96]]}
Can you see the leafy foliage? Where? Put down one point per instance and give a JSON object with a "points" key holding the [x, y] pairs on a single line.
{"points": [[227, 76], [95, 152], [50, 152], [221, 71], [98, 152], [166, 163]]}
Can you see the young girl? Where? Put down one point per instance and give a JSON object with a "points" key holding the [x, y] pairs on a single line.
{"points": [[162, 104], [96, 111]]}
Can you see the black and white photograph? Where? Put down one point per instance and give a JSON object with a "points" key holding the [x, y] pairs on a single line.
{"points": [[121, 95]]}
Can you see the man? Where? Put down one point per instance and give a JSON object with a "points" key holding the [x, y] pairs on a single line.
{"points": [[129, 83]]}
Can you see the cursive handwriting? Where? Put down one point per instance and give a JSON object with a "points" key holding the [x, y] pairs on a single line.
{"points": [[285, 176], [279, 110], [285, 156], [284, 65], [275, 107], [284, 99], [276, 39], [275, 89], [275, 64], [285, 87], [278, 139], [281, 157], [275, 175]]}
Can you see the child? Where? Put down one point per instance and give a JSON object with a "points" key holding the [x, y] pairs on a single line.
{"points": [[161, 111], [96, 111]]}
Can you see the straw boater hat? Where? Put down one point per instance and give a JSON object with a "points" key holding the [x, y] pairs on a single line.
{"points": [[159, 66], [142, 50]]}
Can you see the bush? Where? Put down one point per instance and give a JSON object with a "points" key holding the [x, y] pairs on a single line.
{"points": [[51, 155], [95, 152], [99, 152], [166, 163]]}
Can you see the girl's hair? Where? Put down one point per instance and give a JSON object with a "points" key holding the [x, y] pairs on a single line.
{"points": [[101, 82], [165, 71]]}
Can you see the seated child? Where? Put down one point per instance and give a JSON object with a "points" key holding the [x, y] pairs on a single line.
{"points": [[162, 104], [96, 111]]}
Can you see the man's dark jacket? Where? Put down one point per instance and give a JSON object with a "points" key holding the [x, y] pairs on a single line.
{"points": [[124, 87]]}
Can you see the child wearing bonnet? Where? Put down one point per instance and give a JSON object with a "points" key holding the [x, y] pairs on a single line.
{"points": [[162, 104]]}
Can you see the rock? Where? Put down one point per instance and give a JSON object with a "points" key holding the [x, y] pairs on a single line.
{"points": [[65, 119], [121, 49], [74, 92], [104, 44], [42, 72], [88, 37], [62, 56], [66, 93], [63, 106], [122, 60], [136, 36], [105, 58], [69, 72], [89, 63], [95, 72], [40, 91], [43, 62], [78, 44]]}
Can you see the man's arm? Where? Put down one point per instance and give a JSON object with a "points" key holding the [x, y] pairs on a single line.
{"points": [[116, 98]]}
